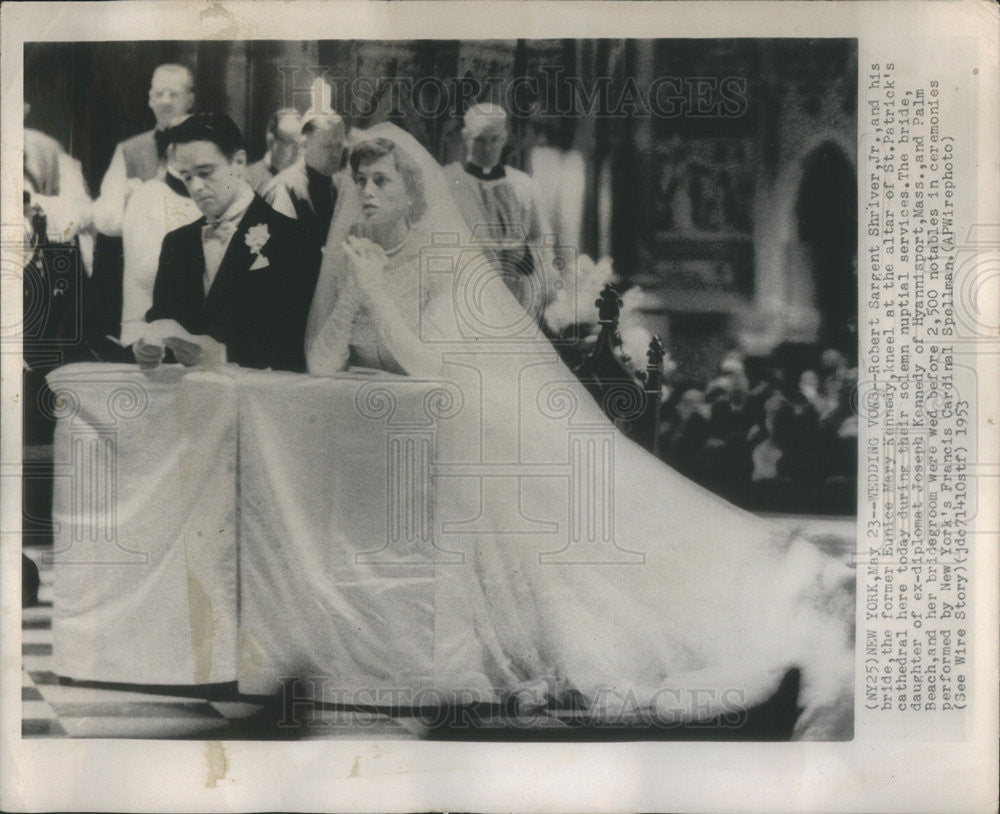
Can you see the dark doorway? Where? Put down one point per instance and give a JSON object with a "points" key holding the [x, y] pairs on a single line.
{"points": [[827, 212]]}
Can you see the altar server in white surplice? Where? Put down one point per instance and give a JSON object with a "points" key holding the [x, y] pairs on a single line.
{"points": [[160, 205], [135, 160], [500, 205]]}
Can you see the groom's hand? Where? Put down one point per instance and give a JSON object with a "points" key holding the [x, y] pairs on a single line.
{"points": [[147, 355], [206, 352]]}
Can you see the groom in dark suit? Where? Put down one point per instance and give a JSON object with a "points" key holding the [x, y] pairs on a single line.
{"points": [[241, 278]]}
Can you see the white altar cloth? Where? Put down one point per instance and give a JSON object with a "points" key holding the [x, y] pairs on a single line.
{"points": [[144, 507], [341, 583], [260, 525]]}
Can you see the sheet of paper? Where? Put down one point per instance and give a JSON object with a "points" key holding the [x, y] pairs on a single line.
{"points": [[155, 332]]}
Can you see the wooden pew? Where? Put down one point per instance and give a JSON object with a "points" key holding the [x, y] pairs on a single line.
{"points": [[632, 402]]}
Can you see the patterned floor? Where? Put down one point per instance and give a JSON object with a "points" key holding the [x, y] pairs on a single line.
{"points": [[52, 707]]}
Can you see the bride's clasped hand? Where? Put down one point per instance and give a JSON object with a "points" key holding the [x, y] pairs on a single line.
{"points": [[366, 262]]}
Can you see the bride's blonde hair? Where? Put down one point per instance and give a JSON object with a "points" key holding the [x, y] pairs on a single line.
{"points": [[372, 149]]}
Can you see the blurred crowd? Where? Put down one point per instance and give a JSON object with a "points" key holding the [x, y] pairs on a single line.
{"points": [[774, 433]]}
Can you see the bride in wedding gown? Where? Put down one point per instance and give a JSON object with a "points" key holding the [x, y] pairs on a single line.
{"points": [[706, 603]]}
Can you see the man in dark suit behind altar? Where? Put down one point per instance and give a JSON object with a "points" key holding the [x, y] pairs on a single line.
{"points": [[240, 279]]}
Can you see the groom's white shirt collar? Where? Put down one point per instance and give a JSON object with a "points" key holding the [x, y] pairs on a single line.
{"points": [[215, 250]]}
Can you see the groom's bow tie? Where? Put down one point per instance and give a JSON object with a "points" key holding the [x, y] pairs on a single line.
{"points": [[219, 230]]}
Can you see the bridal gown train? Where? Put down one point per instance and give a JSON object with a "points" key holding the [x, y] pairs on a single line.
{"points": [[700, 607]]}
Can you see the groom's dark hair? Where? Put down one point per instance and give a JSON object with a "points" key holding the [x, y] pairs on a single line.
{"points": [[217, 128]]}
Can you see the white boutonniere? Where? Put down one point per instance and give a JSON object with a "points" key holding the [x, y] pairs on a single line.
{"points": [[256, 239]]}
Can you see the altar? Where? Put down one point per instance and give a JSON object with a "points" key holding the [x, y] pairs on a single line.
{"points": [[255, 526]]}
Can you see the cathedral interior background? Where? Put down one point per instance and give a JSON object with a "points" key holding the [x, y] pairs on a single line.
{"points": [[717, 176], [740, 217]]}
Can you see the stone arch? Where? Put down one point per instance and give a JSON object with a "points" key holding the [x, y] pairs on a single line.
{"points": [[791, 294], [826, 213]]}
